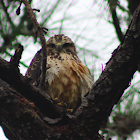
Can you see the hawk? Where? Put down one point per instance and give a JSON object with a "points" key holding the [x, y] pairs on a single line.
{"points": [[67, 79]]}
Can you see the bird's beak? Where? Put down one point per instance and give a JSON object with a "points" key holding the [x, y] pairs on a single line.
{"points": [[59, 47]]}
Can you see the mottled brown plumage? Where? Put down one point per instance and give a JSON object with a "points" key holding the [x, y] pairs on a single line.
{"points": [[66, 77]]}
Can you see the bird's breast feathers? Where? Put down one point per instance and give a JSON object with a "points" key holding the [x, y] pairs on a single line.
{"points": [[67, 77]]}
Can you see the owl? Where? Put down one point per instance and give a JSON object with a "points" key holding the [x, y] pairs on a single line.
{"points": [[67, 79]]}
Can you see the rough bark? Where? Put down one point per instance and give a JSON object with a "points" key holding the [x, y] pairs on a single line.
{"points": [[23, 116]]}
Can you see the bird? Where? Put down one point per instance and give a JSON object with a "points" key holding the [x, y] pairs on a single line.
{"points": [[67, 79]]}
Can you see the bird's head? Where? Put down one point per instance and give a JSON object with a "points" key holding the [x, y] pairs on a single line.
{"points": [[60, 44]]}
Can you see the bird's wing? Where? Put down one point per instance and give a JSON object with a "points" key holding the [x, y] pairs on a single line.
{"points": [[34, 70]]}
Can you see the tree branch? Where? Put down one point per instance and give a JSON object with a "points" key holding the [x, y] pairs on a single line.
{"points": [[26, 118], [117, 24], [11, 75], [7, 14], [42, 39], [22, 63], [17, 56]]}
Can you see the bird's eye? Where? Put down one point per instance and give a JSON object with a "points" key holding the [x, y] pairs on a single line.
{"points": [[66, 45], [52, 45]]}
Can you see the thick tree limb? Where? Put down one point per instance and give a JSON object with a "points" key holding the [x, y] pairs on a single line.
{"points": [[87, 120], [19, 116], [11, 75], [132, 5]]}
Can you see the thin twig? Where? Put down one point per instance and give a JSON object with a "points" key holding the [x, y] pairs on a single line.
{"points": [[18, 9], [117, 25], [36, 10], [42, 39]]}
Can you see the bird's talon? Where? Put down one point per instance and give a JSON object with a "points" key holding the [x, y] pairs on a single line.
{"points": [[55, 100], [64, 104], [70, 110], [60, 104]]}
